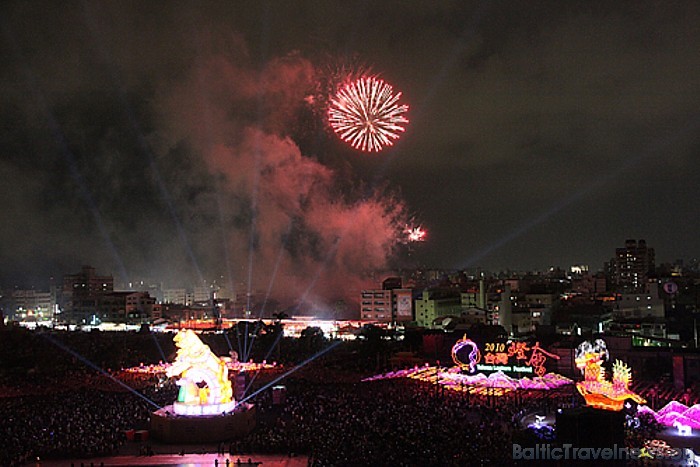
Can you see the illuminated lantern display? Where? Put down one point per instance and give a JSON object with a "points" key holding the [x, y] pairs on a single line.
{"points": [[676, 414], [595, 389], [514, 358], [472, 363], [474, 355], [657, 448], [683, 430], [203, 378]]}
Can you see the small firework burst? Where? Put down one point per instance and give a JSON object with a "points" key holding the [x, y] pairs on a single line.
{"points": [[366, 114], [414, 234]]}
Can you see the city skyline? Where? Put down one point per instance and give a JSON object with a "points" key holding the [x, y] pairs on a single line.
{"points": [[373, 277], [189, 141]]}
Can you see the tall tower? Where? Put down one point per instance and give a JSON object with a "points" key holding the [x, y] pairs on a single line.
{"points": [[505, 312], [632, 266]]}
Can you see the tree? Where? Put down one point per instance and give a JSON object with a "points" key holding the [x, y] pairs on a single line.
{"points": [[276, 330], [313, 338], [373, 343], [280, 316]]}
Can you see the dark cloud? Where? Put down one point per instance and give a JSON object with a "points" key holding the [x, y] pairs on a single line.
{"points": [[157, 135]]}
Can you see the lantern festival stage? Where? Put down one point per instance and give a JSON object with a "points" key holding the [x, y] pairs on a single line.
{"points": [[205, 410], [495, 368]]}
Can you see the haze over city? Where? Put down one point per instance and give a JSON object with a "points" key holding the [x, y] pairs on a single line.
{"points": [[189, 142]]}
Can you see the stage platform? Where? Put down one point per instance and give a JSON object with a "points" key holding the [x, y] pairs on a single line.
{"points": [[180, 429]]}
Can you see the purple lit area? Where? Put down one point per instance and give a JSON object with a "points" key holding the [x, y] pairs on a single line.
{"points": [[463, 376], [452, 379], [676, 415]]}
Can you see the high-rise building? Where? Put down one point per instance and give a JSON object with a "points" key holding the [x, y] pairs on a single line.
{"points": [[125, 307], [201, 294], [32, 303], [435, 303], [632, 266], [375, 305], [87, 282], [81, 294], [391, 304], [175, 296]]}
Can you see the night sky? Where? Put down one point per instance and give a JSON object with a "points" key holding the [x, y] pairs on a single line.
{"points": [[164, 139]]}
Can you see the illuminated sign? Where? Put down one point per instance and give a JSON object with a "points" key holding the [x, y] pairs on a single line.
{"points": [[670, 288], [521, 358], [404, 307]]}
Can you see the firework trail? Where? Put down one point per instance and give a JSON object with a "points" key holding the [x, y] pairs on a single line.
{"points": [[366, 114]]}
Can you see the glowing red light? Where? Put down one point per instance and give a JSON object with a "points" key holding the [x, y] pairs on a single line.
{"points": [[366, 114]]}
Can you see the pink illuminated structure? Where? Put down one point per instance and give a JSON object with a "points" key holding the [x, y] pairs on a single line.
{"points": [[675, 414], [454, 379], [515, 357]]}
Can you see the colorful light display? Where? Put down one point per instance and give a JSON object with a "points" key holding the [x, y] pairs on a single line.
{"points": [[366, 115], [232, 365], [595, 389], [683, 430], [675, 414], [659, 449], [517, 357], [203, 378], [455, 380], [509, 357], [474, 354]]}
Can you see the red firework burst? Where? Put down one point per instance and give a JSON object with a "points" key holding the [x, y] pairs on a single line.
{"points": [[366, 114]]}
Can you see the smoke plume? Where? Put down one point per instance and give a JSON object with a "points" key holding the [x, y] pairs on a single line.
{"points": [[278, 206]]}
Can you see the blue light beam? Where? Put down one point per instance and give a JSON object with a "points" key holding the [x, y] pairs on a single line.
{"points": [[280, 254], [100, 370], [284, 375], [60, 140], [160, 349], [689, 129], [267, 355]]}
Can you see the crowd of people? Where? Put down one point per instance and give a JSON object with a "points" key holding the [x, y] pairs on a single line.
{"points": [[62, 407], [76, 424], [381, 423]]}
